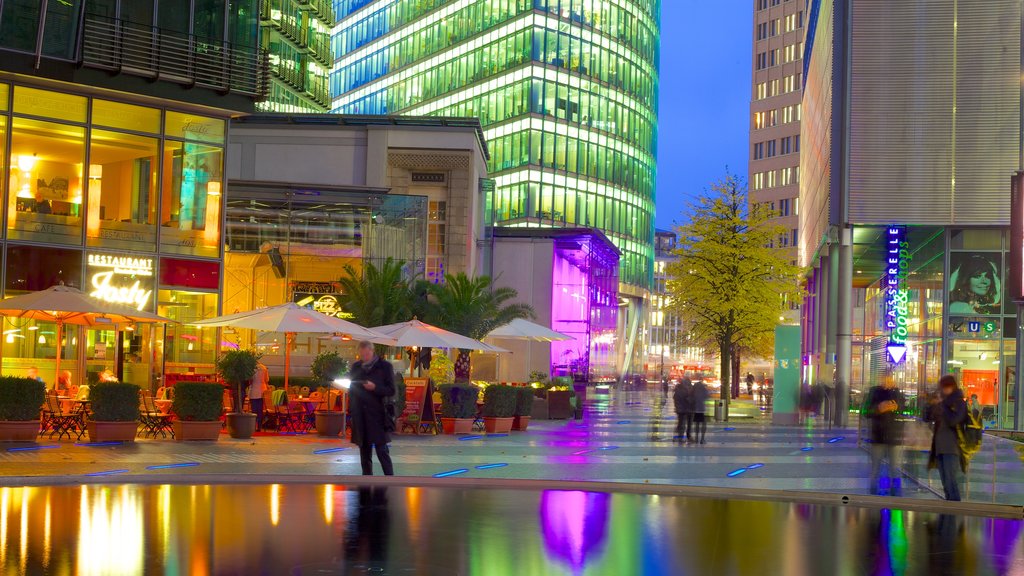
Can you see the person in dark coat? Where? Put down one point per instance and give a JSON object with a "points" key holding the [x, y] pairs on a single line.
{"points": [[947, 414], [683, 400], [882, 407], [373, 380]]}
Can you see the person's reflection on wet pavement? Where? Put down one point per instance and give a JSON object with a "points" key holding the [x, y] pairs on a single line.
{"points": [[367, 537], [942, 546]]}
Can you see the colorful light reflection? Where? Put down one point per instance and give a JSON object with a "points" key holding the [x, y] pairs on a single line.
{"points": [[575, 525]]}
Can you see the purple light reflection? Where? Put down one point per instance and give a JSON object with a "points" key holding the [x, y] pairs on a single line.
{"points": [[575, 525]]}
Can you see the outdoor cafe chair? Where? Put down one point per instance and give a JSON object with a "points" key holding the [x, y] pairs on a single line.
{"points": [[55, 420], [153, 421]]}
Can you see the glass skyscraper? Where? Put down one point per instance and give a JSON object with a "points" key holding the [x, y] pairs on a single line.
{"points": [[567, 92]]}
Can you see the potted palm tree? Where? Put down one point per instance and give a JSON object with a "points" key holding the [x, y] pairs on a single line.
{"points": [[458, 408], [198, 406], [473, 307], [524, 408], [20, 402], [115, 412], [237, 368], [499, 408], [328, 367]]}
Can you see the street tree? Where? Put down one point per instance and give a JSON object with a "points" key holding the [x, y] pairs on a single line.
{"points": [[732, 279]]}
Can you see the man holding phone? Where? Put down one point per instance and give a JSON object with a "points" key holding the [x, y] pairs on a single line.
{"points": [[882, 407], [373, 380]]}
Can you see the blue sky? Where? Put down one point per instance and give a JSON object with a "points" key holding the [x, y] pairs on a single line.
{"points": [[705, 98]]}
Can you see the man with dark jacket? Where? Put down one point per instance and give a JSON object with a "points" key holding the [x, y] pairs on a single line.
{"points": [[882, 407], [373, 380], [948, 412], [683, 400]]}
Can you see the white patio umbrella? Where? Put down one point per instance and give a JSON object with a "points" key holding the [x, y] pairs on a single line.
{"points": [[291, 319], [520, 329], [416, 333], [66, 305]]}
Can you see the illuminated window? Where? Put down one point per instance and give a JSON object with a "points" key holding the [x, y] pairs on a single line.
{"points": [[122, 191], [190, 211], [762, 91]]}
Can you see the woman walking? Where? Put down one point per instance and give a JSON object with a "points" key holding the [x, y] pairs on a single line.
{"points": [[948, 412]]}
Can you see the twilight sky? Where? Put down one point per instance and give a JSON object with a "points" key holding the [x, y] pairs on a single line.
{"points": [[705, 98]]}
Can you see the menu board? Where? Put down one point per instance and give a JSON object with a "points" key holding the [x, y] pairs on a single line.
{"points": [[419, 406]]}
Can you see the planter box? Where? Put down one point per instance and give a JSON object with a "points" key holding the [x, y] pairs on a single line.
{"points": [[330, 423], [19, 430], [241, 425], [196, 430], [498, 425], [540, 409], [559, 406], [520, 423], [112, 431], [457, 425]]}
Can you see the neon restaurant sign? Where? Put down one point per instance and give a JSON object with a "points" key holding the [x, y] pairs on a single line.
{"points": [[897, 263], [121, 279]]}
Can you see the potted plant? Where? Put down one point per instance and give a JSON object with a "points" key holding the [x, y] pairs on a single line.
{"points": [[524, 408], [198, 406], [115, 412], [326, 368], [499, 408], [560, 399], [20, 402], [539, 384], [237, 368], [458, 408]]}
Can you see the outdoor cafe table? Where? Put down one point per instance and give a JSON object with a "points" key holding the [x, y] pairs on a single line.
{"points": [[308, 404]]}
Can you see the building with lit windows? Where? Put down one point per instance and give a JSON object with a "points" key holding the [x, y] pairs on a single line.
{"points": [[113, 128], [669, 350], [567, 94], [775, 109], [911, 136], [296, 35]]}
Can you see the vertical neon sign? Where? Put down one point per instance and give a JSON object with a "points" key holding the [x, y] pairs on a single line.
{"points": [[897, 262]]}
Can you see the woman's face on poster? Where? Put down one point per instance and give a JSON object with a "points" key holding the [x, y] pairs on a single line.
{"points": [[981, 283]]}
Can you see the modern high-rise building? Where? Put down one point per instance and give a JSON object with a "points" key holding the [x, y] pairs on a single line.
{"points": [[567, 93], [775, 110], [911, 136], [296, 35]]}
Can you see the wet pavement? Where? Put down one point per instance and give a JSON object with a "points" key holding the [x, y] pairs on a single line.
{"points": [[315, 529]]}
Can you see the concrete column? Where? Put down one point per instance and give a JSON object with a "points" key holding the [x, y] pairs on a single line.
{"points": [[844, 327], [832, 303], [821, 329]]}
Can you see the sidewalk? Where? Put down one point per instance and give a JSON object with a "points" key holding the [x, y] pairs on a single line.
{"points": [[615, 442]]}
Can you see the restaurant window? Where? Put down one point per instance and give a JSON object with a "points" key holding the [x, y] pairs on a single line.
{"points": [[122, 183], [28, 343], [125, 116], [48, 104], [45, 183], [187, 350], [190, 213]]}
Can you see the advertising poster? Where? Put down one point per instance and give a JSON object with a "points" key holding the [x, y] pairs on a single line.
{"points": [[975, 284]]}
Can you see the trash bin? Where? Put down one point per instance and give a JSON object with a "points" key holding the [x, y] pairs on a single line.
{"points": [[720, 411]]}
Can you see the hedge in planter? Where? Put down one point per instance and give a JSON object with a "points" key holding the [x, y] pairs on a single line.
{"points": [[20, 398], [20, 401], [499, 408], [198, 406], [115, 412], [458, 407]]}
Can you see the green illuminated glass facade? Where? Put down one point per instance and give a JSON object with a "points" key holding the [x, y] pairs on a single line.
{"points": [[567, 92], [296, 36]]}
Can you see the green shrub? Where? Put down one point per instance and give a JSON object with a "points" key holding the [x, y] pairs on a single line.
{"points": [[327, 367], [400, 394], [237, 367], [442, 370], [524, 401], [114, 402], [458, 400], [539, 377], [500, 401], [198, 401], [21, 398]]}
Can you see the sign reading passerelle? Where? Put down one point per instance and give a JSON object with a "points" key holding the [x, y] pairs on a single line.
{"points": [[121, 279]]}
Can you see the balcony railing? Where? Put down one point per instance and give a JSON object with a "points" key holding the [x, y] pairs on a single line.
{"points": [[150, 52]]}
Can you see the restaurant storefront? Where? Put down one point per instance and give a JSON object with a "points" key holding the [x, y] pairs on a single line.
{"points": [[123, 200]]}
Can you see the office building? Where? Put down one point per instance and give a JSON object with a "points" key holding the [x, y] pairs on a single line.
{"points": [[911, 134], [567, 94], [115, 153], [296, 35]]}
